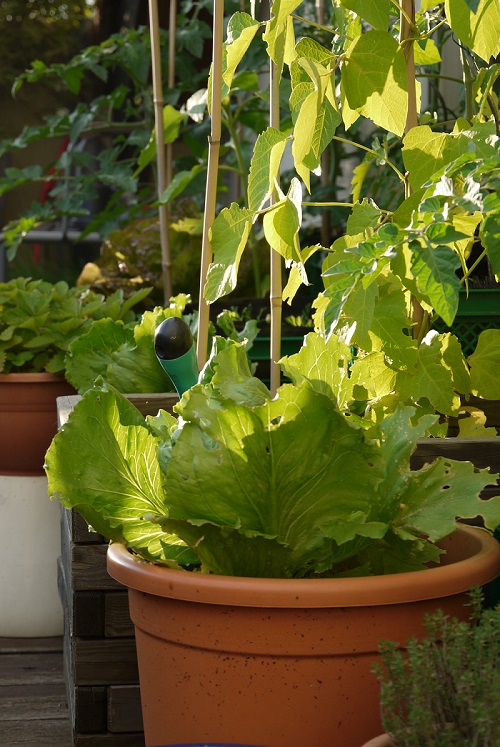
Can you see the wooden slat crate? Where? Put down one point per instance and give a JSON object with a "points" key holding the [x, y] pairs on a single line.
{"points": [[99, 645], [101, 677]]}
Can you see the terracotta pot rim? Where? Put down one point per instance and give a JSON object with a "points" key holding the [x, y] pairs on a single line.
{"points": [[30, 378], [478, 567]]}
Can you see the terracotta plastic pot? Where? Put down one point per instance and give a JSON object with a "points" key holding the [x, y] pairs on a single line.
{"points": [[383, 740], [28, 420], [280, 662]]}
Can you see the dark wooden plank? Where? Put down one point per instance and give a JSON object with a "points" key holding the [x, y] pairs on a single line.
{"points": [[31, 669], [110, 661], [33, 702], [108, 740], [88, 569], [124, 709], [88, 613], [41, 733], [90, 710], [30, 645], [75, 529], [481, 452], [117, 622]]}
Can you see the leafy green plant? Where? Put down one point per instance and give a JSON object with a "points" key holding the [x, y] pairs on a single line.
{"points": [[102, 179], [444, 690], [246, 484], [123, 355], [39, 320], [399, 267]]}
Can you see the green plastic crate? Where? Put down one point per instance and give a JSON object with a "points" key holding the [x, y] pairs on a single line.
{"points": [[477, 312]]}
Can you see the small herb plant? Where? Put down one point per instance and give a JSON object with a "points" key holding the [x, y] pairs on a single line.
{"points": [[245, 484], [39, 320], [444, 690]]}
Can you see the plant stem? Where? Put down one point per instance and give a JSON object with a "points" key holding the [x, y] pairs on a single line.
{"points": [[326, 29], [468, 85], [407, 15], [471, 269], [328, 204], [369, 150]]}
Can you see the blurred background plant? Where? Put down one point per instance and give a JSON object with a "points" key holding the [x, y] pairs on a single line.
{"points": [[101, 175]]}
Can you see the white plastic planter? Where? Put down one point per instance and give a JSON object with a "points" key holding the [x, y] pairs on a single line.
{"points": [[30, 545]]}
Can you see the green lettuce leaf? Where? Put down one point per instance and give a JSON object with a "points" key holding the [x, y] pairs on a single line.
{"points": [[123, 356], [103, 463]]}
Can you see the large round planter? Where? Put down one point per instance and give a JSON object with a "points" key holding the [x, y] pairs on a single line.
{"points": [[274, 662], [29, 524], [28, 420]]}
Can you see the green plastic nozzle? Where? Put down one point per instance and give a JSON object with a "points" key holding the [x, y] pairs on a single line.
{"points": [[175, 350]]}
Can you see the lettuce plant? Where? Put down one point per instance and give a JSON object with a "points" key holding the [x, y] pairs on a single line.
{"points": [[39, 320], [241, 483]]}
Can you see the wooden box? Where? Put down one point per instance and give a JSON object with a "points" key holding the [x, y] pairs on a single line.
{"points": [[100, 662]]}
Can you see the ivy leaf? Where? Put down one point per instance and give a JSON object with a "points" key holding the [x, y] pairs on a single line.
{"points": [[426, 52], [434, 268], [361, 306], [333, 300], [425, 152], [364, 215], [375, 81], [389, 328], [315, 115], [265, 167], [477, 28], [313, 131], [279, 33], [429, 379], [229, 235], [453, 359], [282, 222], [297, 276], [241, 30], [371, 377], [485, 365], [375, 12]]}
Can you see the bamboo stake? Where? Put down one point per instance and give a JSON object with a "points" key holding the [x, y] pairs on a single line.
{"points": [[407, 24], [325, 157], [406, 40], [212, 174], [166, 265], [276, 291], [172, 29]]}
